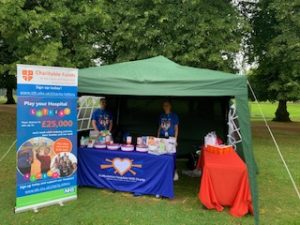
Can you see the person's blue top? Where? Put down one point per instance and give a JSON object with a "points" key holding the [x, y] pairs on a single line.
{"points": [[167, 123], [25, 159], [102, 118]]}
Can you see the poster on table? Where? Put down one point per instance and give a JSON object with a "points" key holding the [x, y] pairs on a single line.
{"points": [[46, 136]]}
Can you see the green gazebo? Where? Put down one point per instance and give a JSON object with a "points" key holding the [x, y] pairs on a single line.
{"points": [[134, 87]]}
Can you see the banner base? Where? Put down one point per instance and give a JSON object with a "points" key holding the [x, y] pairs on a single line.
{"points": [[35, 207]]}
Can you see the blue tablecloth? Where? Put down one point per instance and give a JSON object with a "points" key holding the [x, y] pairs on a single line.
{"points": [[137, 172]]}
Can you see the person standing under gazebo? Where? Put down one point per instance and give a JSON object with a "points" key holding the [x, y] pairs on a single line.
{"points": [[168, 126], [102, 119]]}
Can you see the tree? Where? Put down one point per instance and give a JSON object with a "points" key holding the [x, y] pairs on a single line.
{"points": [[198, 33], [71, 33], [55, 33], [6, 81], [275, 47]]}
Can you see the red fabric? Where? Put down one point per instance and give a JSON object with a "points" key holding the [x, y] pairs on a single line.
{"points": [[224, 182], [219, 141], [45, 162]]}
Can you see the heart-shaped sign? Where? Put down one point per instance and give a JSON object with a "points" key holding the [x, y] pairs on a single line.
{"points": [[122, 166]]}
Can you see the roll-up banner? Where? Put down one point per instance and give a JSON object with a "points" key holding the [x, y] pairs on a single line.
{"points": [[46, 136]]}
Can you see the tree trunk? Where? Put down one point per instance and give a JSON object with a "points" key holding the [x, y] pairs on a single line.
{"points": [[9, 96], [281, 114]]}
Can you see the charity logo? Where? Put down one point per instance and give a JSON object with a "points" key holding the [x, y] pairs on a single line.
{"points": [[27, 75], [121, 166], [104, 120]]}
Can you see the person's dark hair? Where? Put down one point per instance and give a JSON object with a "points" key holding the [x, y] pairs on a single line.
{"points": [[167, 100], [102, 99]]}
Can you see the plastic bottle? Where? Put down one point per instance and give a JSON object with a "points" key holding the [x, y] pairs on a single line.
{"points": [[82, 141]]}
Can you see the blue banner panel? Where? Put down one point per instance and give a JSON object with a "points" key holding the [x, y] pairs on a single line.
{"points": [[46, 135], [135, 172]]}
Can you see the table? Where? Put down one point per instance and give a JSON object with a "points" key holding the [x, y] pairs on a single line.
{"points": [[136, 172], [224, 182]]}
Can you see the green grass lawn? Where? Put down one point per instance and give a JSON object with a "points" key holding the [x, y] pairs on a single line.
{"points": [[278, 202], [269, 109], [3, 99]]}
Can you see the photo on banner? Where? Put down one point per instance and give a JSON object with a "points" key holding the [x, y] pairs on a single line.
{"points": [[46, 170]]}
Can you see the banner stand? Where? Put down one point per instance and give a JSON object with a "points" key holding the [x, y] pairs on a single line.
{"points": [[36, 207], [46, 170]]}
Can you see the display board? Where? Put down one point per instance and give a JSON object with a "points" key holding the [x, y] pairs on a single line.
{"points": [[46, 136], [86, 106]]}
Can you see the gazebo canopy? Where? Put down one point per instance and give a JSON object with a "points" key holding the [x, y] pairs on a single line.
{"points": [[159, 76]]}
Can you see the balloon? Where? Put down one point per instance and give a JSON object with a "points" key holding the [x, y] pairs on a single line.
{"points": [[44, 176], [51, 112], [61, 113], [45, 111], [27, 176], [39, 113], [39, 176], [49, 173], [32, 178], [67, 111], [55, 175], [33, 112]]}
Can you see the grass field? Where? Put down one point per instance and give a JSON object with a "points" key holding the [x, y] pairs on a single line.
{"points": [[269, 109], [3, 99], [278, 202]]}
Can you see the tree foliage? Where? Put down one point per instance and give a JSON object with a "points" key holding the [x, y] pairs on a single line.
{"points": [[73, 33], [55, 33], [60, 33], [198, 33], [79, 33], [275, 47]]}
